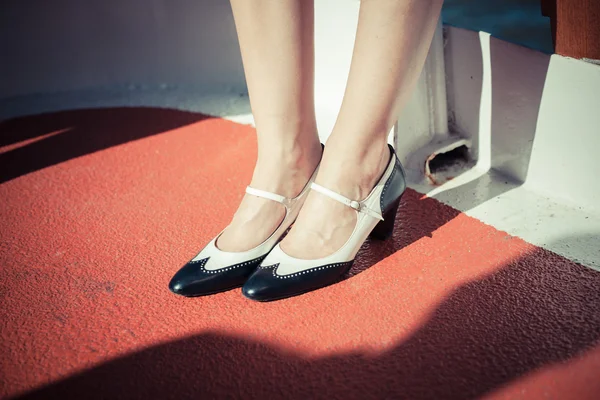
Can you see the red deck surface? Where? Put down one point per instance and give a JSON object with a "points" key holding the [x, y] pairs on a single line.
{"points": [[100, 212]]}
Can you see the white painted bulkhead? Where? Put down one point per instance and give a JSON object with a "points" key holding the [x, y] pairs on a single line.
{"points": [[534, 123]]}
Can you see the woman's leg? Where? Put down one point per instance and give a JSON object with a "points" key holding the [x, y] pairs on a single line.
{"points": [[277, 44], [392, 42]]}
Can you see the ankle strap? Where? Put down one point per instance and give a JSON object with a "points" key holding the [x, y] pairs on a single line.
{"points": [[268, 195], [356, 205]]}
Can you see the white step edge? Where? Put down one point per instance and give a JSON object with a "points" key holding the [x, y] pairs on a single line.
{"points": [[533, 121]]}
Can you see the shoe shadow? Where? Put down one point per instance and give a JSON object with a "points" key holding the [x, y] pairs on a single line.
{"points": [[28, 144], [536, 311], [414, 220]]}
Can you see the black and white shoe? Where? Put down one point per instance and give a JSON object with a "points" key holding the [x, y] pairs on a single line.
{"points": [[214, 270], [280, 275]]}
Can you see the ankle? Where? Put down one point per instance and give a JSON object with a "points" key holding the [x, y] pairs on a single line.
{"points": [[285, 167], [359, 147], [290, 153], [353, 168], [290, 138]]}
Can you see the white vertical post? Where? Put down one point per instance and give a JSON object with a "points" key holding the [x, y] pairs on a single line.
{"points": [[426, 113], [436, 79]]}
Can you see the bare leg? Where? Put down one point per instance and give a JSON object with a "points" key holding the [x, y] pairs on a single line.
{"points": [[392, 42], [277, 44]]}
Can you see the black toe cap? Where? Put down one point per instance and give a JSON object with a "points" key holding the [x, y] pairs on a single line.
{"points": [[194, 280], [266, 285]]}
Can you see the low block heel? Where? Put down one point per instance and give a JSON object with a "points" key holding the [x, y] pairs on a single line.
{"points": [[384, 229]]}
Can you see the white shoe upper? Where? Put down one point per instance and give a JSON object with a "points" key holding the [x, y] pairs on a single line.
{"points": [[219, 260], [368, 215]]}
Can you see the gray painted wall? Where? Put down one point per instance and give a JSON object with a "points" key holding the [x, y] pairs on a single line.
{"points": [[66, 45]]}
